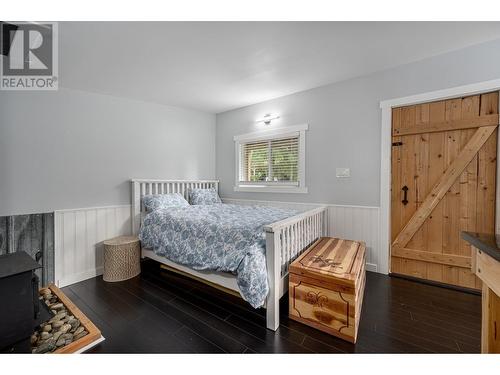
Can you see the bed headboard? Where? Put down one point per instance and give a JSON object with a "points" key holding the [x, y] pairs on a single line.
{"points": [[141, 188]]}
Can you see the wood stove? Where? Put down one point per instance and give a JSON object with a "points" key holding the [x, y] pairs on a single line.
{"points": [[21, 309]]}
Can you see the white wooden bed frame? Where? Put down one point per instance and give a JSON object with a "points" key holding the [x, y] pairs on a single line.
{"points": [[285, 240]]}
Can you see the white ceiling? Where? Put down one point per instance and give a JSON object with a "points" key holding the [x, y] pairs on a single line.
{"points": [[217, 66]]}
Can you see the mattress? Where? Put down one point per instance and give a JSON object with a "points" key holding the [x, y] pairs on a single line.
{"points": [[219, 237]]}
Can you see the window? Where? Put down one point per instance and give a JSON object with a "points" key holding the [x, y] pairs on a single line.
{"points": [[274, 160], [271, 161]]}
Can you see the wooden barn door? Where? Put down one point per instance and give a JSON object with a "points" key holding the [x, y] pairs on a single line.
{"points": [[443, 182]]}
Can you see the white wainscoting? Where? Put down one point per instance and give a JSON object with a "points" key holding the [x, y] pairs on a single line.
{"points": [[79, 234], [350, 222]]}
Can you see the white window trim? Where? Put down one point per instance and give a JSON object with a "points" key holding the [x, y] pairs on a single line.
{"points": [[273, 187]]}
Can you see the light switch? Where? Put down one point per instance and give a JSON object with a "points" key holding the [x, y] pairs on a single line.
{"points": [[342, 172]]}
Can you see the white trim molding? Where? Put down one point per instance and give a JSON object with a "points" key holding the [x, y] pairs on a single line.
{"points": [[270, 133], [454, 92], [386, 144], [269, 188], [272, 186]]}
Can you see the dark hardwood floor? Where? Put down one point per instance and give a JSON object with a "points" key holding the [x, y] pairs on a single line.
{"points": [[161, 312]]}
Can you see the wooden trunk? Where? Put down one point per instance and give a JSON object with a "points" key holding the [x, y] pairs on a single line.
{"points": [[327, 283]]}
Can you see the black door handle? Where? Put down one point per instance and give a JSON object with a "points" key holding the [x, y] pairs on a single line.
{"points": [[405, 196]]}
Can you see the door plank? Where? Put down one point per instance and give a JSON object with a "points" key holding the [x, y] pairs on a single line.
{"points": [[408, 165], [486, 192], [396, 209], [433, 127], [408, 178], [416, 268], [466, 278], [427, 256], [419, 240], [468, 179], [436, 169], [487, 172], [440, 189], [396, 221], [451, 200]]}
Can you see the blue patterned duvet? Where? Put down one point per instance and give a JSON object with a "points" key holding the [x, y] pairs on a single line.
{"points": [[219, 237]]}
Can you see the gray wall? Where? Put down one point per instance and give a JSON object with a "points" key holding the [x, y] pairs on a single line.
{"points": [[71, 149], [344, 124]]}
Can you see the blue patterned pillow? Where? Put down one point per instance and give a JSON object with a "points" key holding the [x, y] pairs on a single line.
{"points": [[204, 196], [154, 202]]}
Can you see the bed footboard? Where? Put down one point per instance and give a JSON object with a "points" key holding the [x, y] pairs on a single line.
{"points": [[285, 241]]}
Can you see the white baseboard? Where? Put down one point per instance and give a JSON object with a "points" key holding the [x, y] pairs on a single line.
{"points": [[77, 277], [371, 267]]}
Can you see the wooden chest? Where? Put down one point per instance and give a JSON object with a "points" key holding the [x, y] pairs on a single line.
{"points": [[326, 288]]}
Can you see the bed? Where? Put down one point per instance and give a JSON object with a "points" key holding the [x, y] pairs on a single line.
{"points": [[259, 271]]}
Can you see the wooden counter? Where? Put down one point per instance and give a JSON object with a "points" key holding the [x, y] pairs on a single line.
{"points": [[486, 265]]}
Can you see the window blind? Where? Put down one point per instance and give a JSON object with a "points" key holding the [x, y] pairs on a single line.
{"points": [[274, 160]]}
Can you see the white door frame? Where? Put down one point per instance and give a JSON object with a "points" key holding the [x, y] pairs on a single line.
{"points": [[386, 145]]}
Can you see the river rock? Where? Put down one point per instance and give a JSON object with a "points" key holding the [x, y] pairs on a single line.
{"points": [[46, 346], [57, 324], [57, 317], [60, 342], [68, 336], [74, 323], [80, 335], [62, 329], [79, 330], [65, 328], [57, 306], [57, 335]]}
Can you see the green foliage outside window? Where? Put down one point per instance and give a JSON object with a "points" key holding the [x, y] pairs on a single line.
{"points": [[283, 159]]}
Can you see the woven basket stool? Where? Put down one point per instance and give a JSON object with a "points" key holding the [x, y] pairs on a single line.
{"points": [[121, 258]]}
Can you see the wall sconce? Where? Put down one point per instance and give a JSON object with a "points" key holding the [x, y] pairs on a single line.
{"points": [[268, 118]]}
